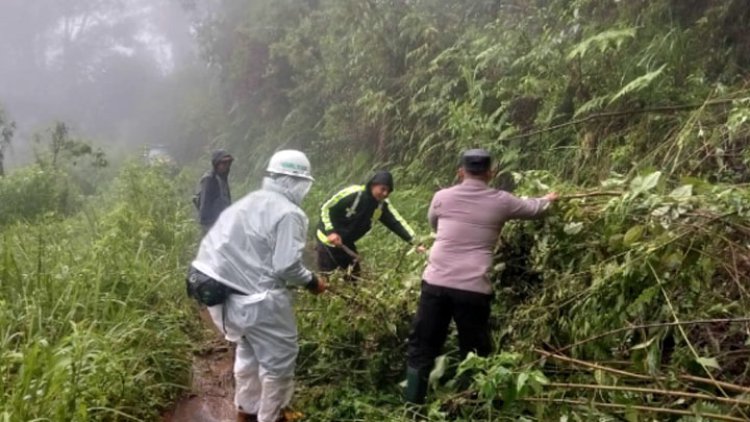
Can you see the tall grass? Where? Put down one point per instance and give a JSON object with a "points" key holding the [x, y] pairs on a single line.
{"points": [[92, 316]]}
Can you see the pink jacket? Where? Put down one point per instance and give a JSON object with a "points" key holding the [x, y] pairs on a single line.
{"points": [[468, 218]]}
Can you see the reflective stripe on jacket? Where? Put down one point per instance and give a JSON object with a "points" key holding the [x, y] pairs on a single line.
{"points": [[351, 211]]}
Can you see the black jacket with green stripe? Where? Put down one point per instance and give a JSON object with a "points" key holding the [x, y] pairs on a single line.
{"points": [[350, 213]]}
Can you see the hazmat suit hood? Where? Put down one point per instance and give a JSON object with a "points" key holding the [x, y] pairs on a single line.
{"points": [[294, 188], [381, 177]]}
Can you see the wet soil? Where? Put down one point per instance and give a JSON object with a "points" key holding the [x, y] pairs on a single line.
{"points": [[212, 386]]}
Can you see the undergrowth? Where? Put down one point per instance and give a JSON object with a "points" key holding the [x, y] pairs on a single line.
{"points": [[631, 294]]}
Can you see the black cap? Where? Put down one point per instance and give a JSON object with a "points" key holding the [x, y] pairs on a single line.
{"points": [[476, 160]]}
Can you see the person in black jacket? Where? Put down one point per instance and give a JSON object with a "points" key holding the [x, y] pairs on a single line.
{"points": [[214, 195], [348, 215]]}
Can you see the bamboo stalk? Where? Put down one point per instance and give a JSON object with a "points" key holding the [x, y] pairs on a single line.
{"points": [[590, 194], [691, 378], [674, 393], [653, 325], [596, 366], [726, 385], [637, 407], [713, 379], [604, 115]]}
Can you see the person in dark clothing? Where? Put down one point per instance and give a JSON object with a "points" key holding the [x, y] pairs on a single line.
{"points": [[468, 219], [214, 195], [348, 215]]}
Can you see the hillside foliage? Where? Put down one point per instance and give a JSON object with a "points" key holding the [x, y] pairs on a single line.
{"points": [[637, 111]]}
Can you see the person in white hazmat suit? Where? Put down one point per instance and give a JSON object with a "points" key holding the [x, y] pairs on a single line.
{"points": [[255, 249]]}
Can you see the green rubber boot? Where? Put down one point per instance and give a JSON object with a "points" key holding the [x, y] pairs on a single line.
{"points": [[416, 385]]}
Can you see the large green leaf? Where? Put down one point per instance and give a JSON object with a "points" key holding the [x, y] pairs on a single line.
{"points": [[633, 235], [643, 184]]}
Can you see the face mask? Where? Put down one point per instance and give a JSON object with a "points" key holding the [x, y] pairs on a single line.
{"points": [[300, 190], [296, 188]]}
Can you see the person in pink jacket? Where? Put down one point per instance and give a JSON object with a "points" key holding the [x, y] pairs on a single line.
{"points": [[468, 219]]}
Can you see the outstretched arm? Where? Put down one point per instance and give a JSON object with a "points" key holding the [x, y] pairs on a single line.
{"points": [[527, 208], [395, 223]]}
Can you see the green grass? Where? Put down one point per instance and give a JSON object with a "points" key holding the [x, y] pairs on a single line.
{"points": [[92, 307]]}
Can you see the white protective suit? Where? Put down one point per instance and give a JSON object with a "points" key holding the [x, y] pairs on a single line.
{"points": [[256, 247]]}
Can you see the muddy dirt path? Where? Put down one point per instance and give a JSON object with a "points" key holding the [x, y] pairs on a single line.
{"points": [[212, 386]]}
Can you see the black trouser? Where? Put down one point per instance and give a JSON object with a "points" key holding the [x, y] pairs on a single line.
{"points": [[437, 306], [332, 258]]}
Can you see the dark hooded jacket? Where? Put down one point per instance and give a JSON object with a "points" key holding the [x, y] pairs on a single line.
{"points": [[351, 211], [214, 195]]}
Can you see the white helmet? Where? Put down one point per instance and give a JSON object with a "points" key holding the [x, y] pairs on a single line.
{"points": [[290, 162]]}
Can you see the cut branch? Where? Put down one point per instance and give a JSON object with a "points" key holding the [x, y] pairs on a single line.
{"points": [[715, 416]]}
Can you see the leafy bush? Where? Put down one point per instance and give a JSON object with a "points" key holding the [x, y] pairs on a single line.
{"points": [[31, 192]]}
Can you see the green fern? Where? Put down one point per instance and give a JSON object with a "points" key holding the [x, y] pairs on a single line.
{"points": [[602, 41], [593, 104], [638, 84]]}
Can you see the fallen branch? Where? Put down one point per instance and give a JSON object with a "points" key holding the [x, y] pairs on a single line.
{"points": [[636, 407], [698, 396]]}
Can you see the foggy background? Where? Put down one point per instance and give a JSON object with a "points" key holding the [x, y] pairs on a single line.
{"points": [[122, 74]]}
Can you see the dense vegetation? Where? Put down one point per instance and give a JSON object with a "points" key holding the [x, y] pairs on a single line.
{"points": [[637, 111], [628, 302]]}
